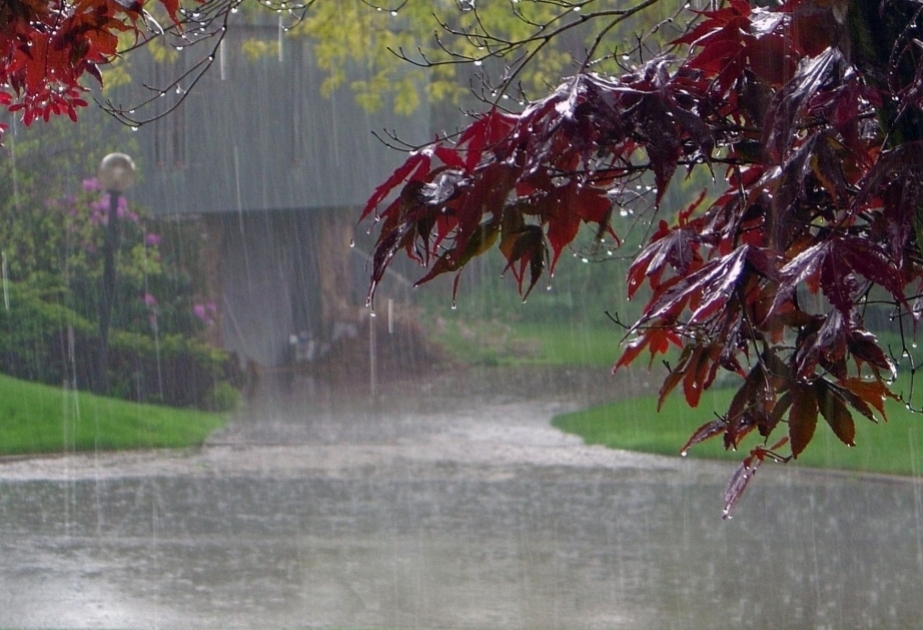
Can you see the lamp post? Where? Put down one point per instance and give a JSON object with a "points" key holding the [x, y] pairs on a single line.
{"points": [[116, 175]]}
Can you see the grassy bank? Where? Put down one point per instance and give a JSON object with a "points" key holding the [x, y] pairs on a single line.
{"points": [[894, 448], [40, 419], [493, 342]]}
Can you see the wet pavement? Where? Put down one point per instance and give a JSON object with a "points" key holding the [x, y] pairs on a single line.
{"points": [[446, 504]]}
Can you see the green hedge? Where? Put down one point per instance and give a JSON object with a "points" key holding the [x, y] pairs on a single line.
{"points": [[37, 333]]}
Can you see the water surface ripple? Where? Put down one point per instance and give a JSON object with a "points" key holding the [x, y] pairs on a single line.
{"points": [[457, 508]]}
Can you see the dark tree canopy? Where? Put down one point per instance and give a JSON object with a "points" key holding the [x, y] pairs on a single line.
{"points": [[807, 114], [48, 46], [53, 51]]}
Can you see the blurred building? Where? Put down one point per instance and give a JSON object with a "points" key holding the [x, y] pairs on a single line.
{"points": [[279, 174]]}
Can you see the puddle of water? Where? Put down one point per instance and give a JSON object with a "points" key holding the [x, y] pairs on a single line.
{"points": [[463, 511], [540, 549]]}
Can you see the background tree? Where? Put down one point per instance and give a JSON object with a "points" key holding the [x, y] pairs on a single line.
{"points": [[412, 67], [805, 112]]}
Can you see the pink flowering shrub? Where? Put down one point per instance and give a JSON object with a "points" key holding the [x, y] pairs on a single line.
{"points": [[55, 269], [60, 244]]}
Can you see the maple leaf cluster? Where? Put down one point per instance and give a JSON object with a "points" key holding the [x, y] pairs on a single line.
{"points": [[808, 112], [48, 47]]}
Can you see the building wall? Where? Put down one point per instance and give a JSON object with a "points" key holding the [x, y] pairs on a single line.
{"points": [[265, 157], [282, 274]]}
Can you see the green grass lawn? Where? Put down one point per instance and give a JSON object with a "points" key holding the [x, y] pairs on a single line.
{"points": [[41, 419], [500, 343], [573, 345], [895, 447]]}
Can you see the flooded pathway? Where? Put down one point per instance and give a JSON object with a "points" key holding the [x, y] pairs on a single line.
{"points": [[447, 505]]}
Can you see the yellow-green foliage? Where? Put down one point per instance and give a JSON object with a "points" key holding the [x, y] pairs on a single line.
{"points": [[359, 46], [349, 34], [116, 74], [161, 52], [254, 49]]}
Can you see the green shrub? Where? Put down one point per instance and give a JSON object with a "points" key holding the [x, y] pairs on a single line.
{"points": [[42, 340], [34, 334], [224, 397]]}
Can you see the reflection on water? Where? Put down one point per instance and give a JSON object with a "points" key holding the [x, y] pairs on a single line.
{"points": [[417, 541], [542, 549]]}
